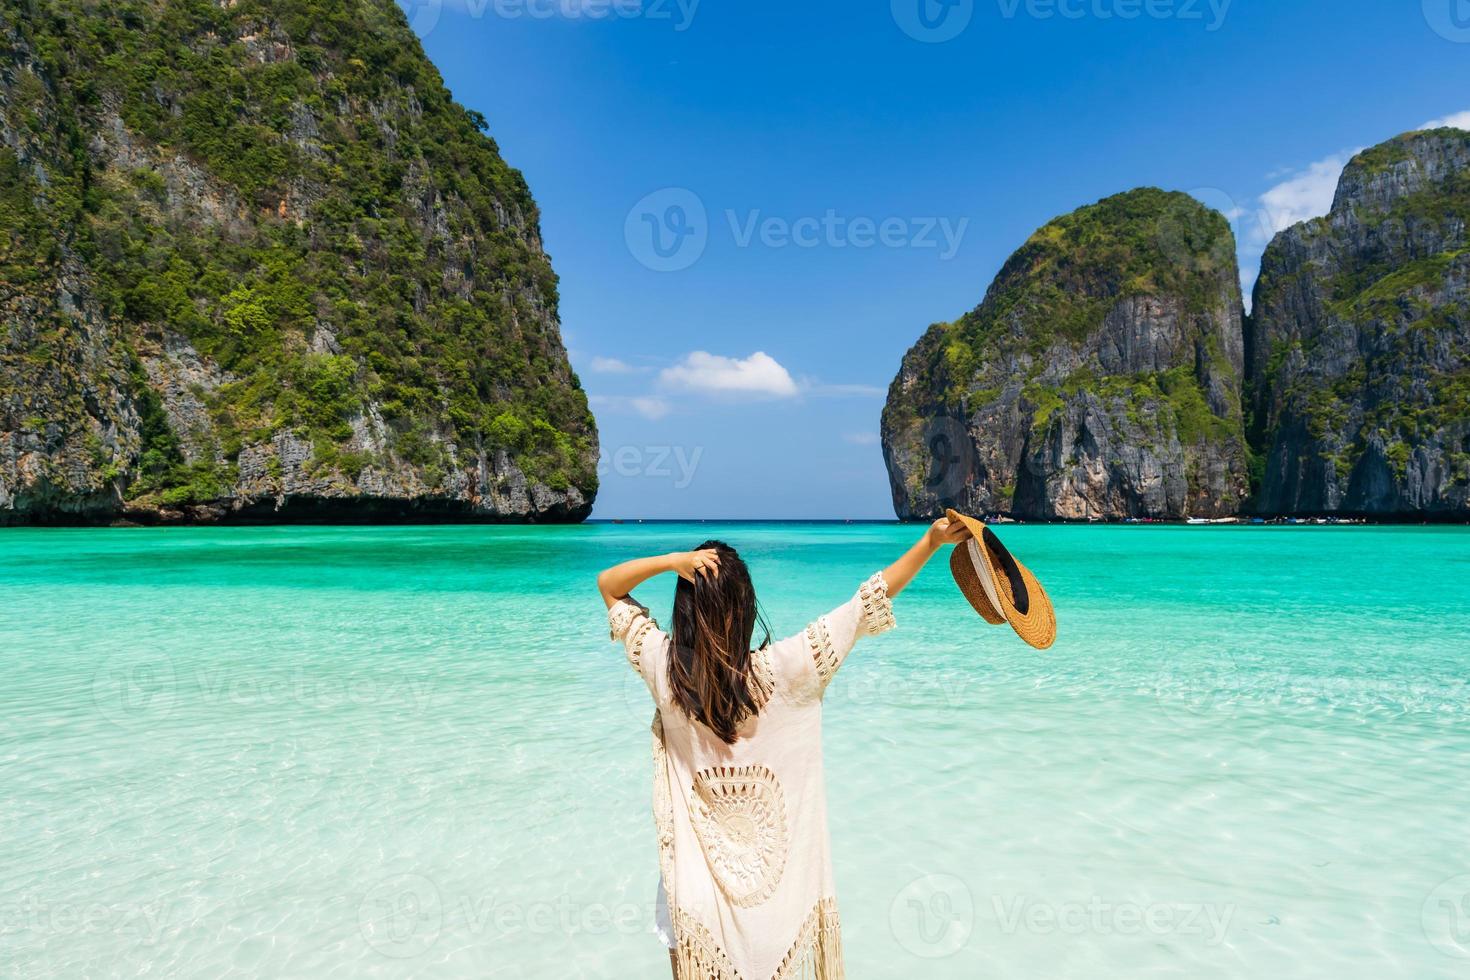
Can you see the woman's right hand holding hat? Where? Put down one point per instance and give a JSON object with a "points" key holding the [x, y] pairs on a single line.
{"points": [[946, 531]]}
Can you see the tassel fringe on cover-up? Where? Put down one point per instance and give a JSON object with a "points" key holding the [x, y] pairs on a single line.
{"points": [[816, 954]]}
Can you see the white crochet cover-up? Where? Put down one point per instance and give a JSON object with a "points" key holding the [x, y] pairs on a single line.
{"points": [[742, 828]]}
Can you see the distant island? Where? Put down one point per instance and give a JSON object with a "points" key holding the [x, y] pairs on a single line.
{"points": [[260, 266], [1110, 372]]}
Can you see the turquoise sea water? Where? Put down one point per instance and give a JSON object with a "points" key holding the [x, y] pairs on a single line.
{"points": [[365, 752]]}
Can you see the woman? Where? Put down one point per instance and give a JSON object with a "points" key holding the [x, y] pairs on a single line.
{"points": [[739, 804]]}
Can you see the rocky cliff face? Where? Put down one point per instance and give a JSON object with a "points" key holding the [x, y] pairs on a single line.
{"points": [[1100, 377], [1359, 344], [257, 265]]}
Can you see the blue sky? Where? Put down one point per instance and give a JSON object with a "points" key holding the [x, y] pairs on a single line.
{"points": [[826, 179]]}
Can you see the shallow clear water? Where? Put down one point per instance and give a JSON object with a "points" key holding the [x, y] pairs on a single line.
{"points": [[346, 752]]}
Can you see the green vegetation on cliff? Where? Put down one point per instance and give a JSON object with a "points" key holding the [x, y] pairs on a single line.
{"points": [[1058, 287], [1100, 375], [289, 186], [1360, 339]]}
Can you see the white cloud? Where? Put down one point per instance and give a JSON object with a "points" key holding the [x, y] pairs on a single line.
{"points": [[702, 373], [611, 365], [1308, 193], [862, 438], [758, 374], [1455, 120], [651, 408], [648, 406], [1305, 194]]}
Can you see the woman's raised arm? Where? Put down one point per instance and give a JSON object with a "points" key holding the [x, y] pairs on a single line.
{"points": [[615, 583], [940, 533]]}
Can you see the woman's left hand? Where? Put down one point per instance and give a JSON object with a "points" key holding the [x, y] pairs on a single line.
{"points": [[691, 563], [618, 582]]}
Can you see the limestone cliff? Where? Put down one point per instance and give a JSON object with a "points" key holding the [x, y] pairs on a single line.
{"points": [[1358, 349], [1099, 378], [258, 265]]}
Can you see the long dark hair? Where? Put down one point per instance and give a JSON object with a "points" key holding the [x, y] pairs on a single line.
{"points": [[714, 618]]}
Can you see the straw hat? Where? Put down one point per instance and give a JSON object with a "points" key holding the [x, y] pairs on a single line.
{"points": [[1001, 589]]}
